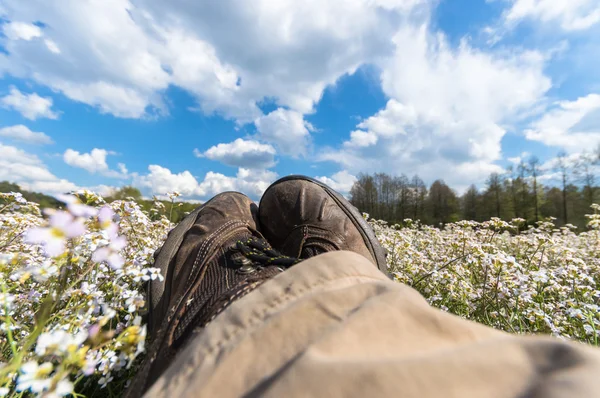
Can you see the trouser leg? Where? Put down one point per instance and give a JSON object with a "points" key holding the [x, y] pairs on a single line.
{"points": [[335, 326]]}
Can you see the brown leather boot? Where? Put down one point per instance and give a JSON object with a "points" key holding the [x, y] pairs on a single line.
{"points": [[302, 217], [213, 257]]}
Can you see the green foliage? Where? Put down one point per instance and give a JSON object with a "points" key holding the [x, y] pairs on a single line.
{"points": [[44, 201], [126, 192], [175, 211], [518, 193]]}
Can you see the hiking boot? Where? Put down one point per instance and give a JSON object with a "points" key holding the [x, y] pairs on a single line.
{"points": [[302, 217], [213, 257]]}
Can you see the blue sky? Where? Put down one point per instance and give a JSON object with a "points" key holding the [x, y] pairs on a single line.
{"points": [[201, 97]]}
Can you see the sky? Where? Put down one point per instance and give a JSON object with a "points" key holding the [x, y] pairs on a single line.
{"points": [[206, 96]]}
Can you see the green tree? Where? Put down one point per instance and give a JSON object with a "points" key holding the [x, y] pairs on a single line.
{"points": [[126, 192], [470, 204], [443, 203]]}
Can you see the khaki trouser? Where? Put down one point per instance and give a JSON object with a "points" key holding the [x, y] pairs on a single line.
{"points": [[335, 326]]}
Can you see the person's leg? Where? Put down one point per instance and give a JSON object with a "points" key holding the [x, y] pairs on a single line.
{"points": [[213, 257], [335, 326]]}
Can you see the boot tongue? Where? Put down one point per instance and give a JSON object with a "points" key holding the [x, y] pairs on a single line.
{"points": [[312, 249]]}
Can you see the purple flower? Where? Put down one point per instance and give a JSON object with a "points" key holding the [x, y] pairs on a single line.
{"points": [[77, 208], [110, 253], [105, 216], [63, 226]]}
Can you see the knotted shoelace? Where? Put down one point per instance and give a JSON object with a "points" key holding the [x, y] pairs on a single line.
{"points": [[261, 254], [256, 263]]}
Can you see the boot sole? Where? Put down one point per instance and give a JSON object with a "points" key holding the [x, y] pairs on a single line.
{"points": [[363, 227]]}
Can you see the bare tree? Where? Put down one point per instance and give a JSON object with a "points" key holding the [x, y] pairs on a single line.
{"points": [[585, 173], [386, 196], [393, 198], [512, 188], [419, 194], [403, 196], [534, 172], [523, 191], [494, 190], [563, 168], [364, 194]]}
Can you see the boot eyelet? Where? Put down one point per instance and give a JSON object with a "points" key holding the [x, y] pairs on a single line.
{"points": [[241, 260], [246, 269]]}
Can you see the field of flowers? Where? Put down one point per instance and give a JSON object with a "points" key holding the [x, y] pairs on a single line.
{"points": [[71, 281], [540, 280]]}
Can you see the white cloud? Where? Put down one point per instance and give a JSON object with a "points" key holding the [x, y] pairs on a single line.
{"points": [[122, 168], [20, 132], [54, 187], [289, 51], [30, 172], [571, 125], [569, 160], [359, 138], [160, 181], [85, 59], [250, 182], [286, 129], [109, 98], [435, 81], [52, 46], [569, 14], [516, 160], [341, 181], [230, 54], [104, 190], [550, 170], [448, 109], [31, 106], [94, 162], [16, 30], [14, 154], [242, 153]]}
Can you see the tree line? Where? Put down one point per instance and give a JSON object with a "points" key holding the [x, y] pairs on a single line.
{"points": [[173, 210], [519, 192]]}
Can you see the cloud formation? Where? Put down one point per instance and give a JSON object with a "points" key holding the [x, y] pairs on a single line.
{"points": [[450, 101], [31, 106], [448, 109], [242, 153], [160, 181], [214, 50], [570, 15], [94, 162], [287, 130], [22, 133], [571, 125], [342, 181], [30, 172]]}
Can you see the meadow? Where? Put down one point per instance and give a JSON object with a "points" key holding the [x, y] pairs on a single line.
{"points": [[71, 284]]}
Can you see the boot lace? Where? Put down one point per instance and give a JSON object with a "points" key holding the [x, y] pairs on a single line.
{"points": [[257, 253], [255, 262]]}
